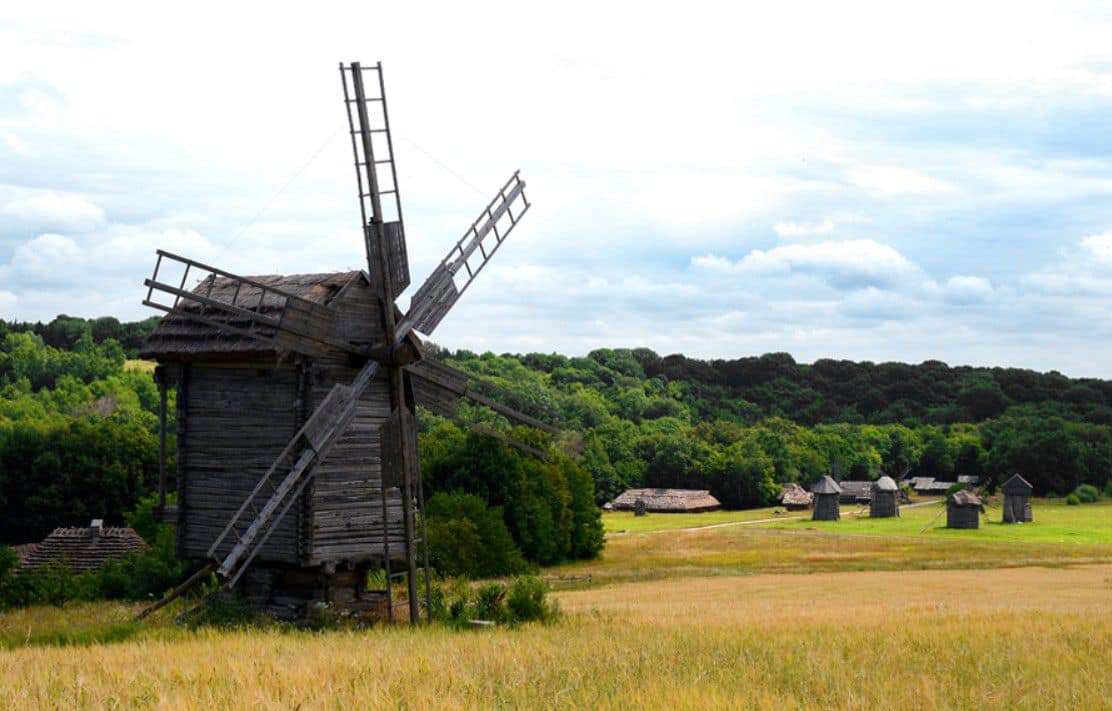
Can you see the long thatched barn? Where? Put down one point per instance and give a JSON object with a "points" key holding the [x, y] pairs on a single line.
{"points": [[667, 500]]}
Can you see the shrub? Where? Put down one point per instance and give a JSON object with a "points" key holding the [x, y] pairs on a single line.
{"points": [[522, 600], [526, 602], [1073, 500], [468, 539], [1087, 493], [1108, 489]]}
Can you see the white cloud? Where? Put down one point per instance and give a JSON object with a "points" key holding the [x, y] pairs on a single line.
{"points": [[844, 265], [1099, 247], [789, 228], [886, 181], [1083, 271], [7, 301], [55, 210], [967, 289]]}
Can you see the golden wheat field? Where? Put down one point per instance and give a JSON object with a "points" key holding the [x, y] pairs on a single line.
{"points": [[1024, 637]]}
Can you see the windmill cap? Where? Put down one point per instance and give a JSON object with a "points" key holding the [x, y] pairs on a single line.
{"points": [[826, 485], [1017, 485], [885, 483]]}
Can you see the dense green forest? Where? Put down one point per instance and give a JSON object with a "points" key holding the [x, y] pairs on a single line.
{"points": [[78, 434]]}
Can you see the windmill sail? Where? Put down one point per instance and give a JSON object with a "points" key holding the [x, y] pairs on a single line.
{"points": [[468, 257], [376, 177]]}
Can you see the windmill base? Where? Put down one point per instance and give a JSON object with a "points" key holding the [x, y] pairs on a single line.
{"points": [[296, 593]]}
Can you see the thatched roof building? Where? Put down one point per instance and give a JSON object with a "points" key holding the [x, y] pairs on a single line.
{"points": [[885, 500], [667, 500], [82, 549], [178, 337], [855, 492], [1017, 500], [963, 510], [928, 485], [827, 494], [794, 497]]}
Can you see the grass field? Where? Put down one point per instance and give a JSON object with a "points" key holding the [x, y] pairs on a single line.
{"points": [[673, 619], [141, 366]]}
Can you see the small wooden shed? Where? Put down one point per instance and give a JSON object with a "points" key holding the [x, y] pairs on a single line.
{"points": [[795, 498], [963, 510], [885, 502], [83, 549], [1017, 500], [827, 494]]}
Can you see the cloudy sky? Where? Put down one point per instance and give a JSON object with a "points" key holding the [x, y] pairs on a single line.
{"points": [[871, 182]]}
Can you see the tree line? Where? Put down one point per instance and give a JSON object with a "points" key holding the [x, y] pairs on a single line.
{"points": [[78, 436]]}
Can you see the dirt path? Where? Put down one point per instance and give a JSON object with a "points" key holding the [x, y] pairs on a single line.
{"points": [[859, 512]]}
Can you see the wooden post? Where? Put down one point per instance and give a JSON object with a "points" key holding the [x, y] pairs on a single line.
{"points": [[376, 251], [160, 377]]}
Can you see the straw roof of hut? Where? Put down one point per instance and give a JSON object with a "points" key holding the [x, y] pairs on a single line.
{"points": [[885, 483], [856, 490], [826, 485], [965, 498], [178, 334], [1017, 485], [668, 500], [82, 549], [24, 551], [795, 495]]}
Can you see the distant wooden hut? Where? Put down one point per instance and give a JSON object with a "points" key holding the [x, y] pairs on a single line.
{"points": [[963, 510], [827, 493], [929, 486], [82, 549], [667, 500], [1017, 500], [885, 502], [855, 492], [794, 497]]}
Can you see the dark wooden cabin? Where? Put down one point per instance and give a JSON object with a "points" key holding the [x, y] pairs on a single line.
{"points": [[240, 401], [827, 494], [963, 510], [1017, 500], [885, 501]]}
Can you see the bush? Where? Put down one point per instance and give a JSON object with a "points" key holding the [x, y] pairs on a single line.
{"points": [[523, 600], [1073, 500], [1087, 493], [526, 602], [1108, 489], [468, 539]]}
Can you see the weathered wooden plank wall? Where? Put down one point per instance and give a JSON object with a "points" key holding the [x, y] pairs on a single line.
{"points": [[238, 420]]}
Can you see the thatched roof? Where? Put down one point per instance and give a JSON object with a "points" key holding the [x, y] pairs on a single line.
{"points": [[667, 500], [24, 551], [1017, 485], [965, 498], [929, 483], [971, 479], [177, 334], [856, 490], [795, 495], [826, 485], [82, 549], [885, 483]]}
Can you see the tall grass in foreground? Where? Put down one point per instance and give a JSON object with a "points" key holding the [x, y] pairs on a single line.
{"points": [[910, 639]]}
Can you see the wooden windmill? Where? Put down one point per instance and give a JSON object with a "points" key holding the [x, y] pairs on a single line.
{"points": [[297, 442]]}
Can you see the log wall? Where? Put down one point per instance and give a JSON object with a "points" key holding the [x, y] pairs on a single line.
{"points": [[233, 422]]}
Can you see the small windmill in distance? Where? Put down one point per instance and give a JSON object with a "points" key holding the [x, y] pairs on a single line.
{"points": [[297, 442]]}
